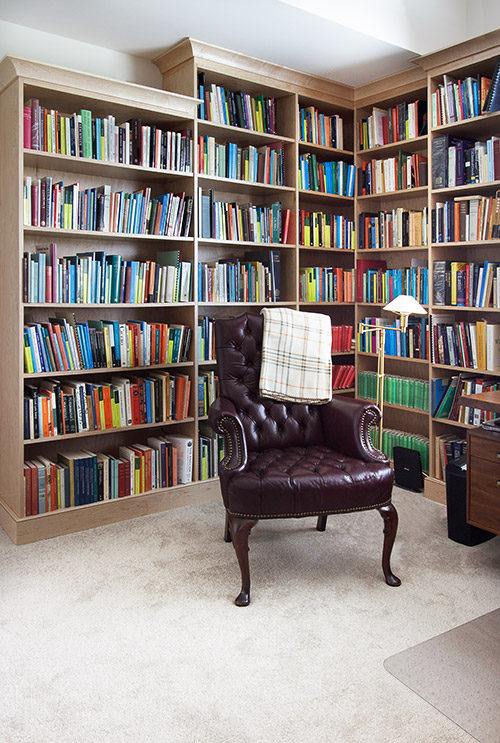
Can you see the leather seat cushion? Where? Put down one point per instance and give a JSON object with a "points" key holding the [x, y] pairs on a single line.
{"points": [[301, 481]]}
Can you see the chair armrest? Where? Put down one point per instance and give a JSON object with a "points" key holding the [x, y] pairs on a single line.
{"points": [[224, 420], [346, 423]]}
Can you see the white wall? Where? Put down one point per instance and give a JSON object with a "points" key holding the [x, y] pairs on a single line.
{"points": [[20, 41]]}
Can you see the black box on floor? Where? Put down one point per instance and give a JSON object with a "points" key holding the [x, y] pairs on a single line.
{"points": [[456, 506], [408, 469]]}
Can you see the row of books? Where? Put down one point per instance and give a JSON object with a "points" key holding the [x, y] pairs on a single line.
{"points": [[457, 100], [83, 477], [64, 344], [343, 376], [62, 407], [335, 177], [466, 284], [235, 108], [466, 219], [392, 437], [265, 164], [342, 338], [403, 171], [100, 138], [384, 285], [397, 228], [208, 390], [459, 162], [223, 220], [320, 229], [325, 284], [447, 447], [409, 392], [472, 345], [318, 128], [256, 278], [384, 126], [449, 391], [206, 338], [210, 452], [412, 344], [54, 205], [100, 278]]}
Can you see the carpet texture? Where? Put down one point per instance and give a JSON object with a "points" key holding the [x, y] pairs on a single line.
{"points": [[458, 672], [127, 633]]}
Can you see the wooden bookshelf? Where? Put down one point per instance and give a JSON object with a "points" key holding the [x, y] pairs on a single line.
{"points": [[177, 107]]}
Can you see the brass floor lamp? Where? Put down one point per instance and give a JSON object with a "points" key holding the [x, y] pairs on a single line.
{"points": [[404, 305]]}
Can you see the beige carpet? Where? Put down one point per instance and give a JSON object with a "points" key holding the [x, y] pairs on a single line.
{"points": [[128, 633], [458, 672]]}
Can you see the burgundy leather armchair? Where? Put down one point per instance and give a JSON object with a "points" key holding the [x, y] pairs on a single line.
{"points": [[284, 460]]}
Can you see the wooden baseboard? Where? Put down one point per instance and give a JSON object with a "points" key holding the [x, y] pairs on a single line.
{"points": [[435, 490], [70, 520]]}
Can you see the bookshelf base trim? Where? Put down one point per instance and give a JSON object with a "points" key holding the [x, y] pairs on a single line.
{"points": [[24, 530]]}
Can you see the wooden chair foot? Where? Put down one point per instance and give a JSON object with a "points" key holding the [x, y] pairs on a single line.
{"points": [[321, 523], [390, 516], [240, 531]]}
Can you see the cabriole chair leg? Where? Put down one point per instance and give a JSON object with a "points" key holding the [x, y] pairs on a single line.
{"points": [[390, 516], [240, 531]]}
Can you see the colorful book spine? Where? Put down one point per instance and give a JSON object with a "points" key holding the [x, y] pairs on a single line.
{"points": [[404, 171], [398, 228], [384, 286], [412, 344], [322, 129], [320, 229], [334, 177], [325, 284], [466, 219], [263, 164], [394, 124]]}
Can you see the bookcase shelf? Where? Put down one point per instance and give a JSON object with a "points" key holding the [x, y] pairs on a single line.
{"points": [[106, 431], [176, 108]]}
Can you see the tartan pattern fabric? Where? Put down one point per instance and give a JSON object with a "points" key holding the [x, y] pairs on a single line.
{"points": [[296, 356]]}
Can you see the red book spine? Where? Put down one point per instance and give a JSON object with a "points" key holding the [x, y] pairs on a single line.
{"points": [[121, 478], [27, 489], [27, 128], [53, 488]]}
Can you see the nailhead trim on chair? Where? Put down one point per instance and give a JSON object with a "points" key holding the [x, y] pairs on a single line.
{"points": [[307, 513], [369, 448], [229, 443]]}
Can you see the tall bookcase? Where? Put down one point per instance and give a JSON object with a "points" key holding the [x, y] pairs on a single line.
{"points": [[175, 108], [68, 91]]}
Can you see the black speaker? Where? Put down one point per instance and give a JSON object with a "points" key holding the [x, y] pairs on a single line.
{"points": [[408, 469], [456, 506]]}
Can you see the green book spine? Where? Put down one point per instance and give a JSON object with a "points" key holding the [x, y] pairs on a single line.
{"points": [[86, 132]]}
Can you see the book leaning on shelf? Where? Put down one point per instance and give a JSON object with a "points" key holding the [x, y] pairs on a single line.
{"points": [[457, 100], [64, 344], [56, 407], [59, 206], [343, 376], [400, 122], [101, 138], [447, 398], [83, 477], [100, 278]]}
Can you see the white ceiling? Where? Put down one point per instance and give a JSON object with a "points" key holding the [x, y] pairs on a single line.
{"points": [[351, 41]]}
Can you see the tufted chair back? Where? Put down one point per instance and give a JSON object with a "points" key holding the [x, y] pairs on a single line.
{"points": [[267, 423]]}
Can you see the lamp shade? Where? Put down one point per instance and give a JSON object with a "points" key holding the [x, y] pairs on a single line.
{"points": [[405, 305]]}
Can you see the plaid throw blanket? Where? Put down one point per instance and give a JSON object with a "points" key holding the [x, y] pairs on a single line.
{"points": [[296, 356]]}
